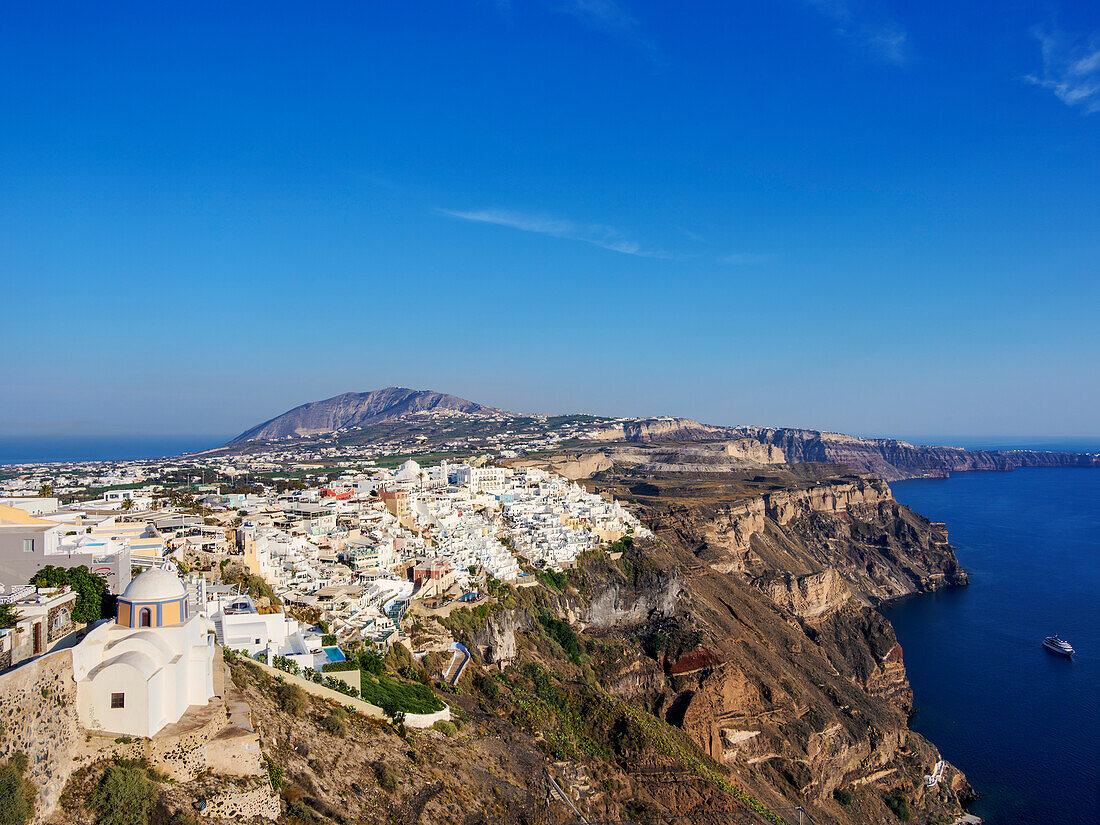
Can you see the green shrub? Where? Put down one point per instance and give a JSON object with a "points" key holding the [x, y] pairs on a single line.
{"points": [[9, 616], [553, 578], [386, 776], [565, 636], [623, 545], [93, 602], [339, 667], [373, 662], [291, 698], [898, 804], [328, 639], [124, 796], [340, 686], [445, 727], [486, 685], [16, 791], [843, 797], [334, 725], [655, 644], [274, 773]]}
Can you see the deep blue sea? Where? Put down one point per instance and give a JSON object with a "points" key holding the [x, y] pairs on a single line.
{"points": [[31, 449], [1022, 723]]}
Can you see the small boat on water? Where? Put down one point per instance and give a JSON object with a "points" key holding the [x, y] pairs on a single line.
{"points": [[1059, 646]]}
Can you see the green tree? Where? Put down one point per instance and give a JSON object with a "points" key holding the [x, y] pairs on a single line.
{"points": [[92, 599], [8, 616], [46, 490], [16, 791], [124, 796]]}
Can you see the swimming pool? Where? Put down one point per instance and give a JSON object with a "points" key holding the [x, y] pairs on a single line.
{"points": [[334, 654]]}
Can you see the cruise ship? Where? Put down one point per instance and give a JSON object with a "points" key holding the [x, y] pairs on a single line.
{"points": [[1056, 645]]}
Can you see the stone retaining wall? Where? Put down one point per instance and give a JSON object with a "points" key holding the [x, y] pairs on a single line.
{"points": [[366, 708], [243, 805], [412, 720], [38, 715], [426, 720]]}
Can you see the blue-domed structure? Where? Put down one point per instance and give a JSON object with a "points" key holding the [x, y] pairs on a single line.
{"points": [[156, 598]]}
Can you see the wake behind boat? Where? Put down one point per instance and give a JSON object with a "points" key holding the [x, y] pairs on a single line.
{"points": [[1059, 646]]}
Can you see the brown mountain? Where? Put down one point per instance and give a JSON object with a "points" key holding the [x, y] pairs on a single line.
{"points": [[360, 409]]}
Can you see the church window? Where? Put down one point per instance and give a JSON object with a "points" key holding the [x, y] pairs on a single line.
{"points": [[145, 617], [118, 700]]}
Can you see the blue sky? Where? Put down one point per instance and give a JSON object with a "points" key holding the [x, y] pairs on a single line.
{"points": [[855, 216]]}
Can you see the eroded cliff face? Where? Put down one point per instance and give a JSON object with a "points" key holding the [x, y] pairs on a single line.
{"points": [[792, 679], [796, 544], [893, 460], [495, 640]]}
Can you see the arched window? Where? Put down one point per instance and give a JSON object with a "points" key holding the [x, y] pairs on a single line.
{"points": [[145, 617], [61, 619]]}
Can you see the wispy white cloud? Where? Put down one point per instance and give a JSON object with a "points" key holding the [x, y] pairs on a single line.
{"points": [[605, 237], [1071, 68], [886, 39], [600, 14], [747, 258]]}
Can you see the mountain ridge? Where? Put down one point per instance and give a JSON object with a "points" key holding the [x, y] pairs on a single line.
{"points": [[889, 458], [358, 409]]}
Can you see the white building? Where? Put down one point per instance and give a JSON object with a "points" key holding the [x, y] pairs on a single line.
{"points": [[142, 671], [238, 625], [481, 479]]}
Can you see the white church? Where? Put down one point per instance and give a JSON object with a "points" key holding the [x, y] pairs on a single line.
{"points": [[141, 672]]}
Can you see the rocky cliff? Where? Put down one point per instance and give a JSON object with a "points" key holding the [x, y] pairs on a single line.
{"points": [[894, 460], [748, 627], [661, 429], [654, 457], [775, 661]]}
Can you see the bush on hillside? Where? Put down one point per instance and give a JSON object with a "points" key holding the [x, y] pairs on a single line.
{"points": [[16, 791], [373, 662], [565, 636], [445, 727], [124, 796], [335, 725], [386, 776], [291, 698], [898, 804]]}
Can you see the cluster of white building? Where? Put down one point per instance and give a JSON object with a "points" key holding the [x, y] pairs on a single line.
{"points": [[357, 551], [492, 517], [351, 554]]}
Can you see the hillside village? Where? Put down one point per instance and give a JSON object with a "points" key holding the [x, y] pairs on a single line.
{"points": [[354, 550], [407, 583]]}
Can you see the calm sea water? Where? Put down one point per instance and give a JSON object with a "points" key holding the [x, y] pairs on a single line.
{"points": [[1022, 723], [30, 449]]}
